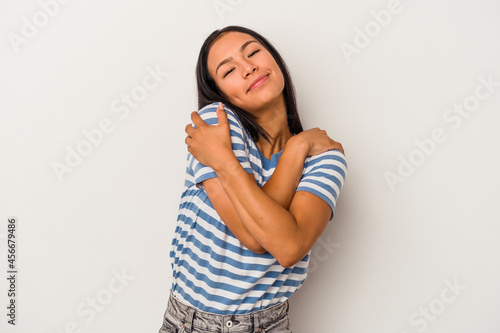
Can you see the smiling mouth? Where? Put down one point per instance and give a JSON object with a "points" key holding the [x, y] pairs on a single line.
{"points": [[259, 82]]}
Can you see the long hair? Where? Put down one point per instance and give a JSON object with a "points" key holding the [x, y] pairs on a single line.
{"points": [[208, 92]]}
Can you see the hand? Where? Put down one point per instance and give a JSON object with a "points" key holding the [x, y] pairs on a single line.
{"points": [[317, 141], [210, 144]]}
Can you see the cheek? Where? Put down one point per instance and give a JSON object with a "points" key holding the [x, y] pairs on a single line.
{"points": [[278, 74], [229, 88]]}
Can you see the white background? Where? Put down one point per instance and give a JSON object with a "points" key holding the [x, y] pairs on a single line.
{"points": [[388, 256]]}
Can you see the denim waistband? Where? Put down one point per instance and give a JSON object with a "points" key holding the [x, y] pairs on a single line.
{"points": [[196, 319]]}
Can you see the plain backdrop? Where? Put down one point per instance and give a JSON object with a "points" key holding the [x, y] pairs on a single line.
{"points": [[414, 243]]}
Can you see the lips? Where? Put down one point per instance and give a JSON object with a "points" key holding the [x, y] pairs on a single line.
{"points": [[258, 82]]}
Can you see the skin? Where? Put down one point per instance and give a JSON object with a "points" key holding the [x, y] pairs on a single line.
{"points": [[266, 103], [274, 218]]}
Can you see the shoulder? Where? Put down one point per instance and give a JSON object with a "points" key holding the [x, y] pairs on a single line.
{"points": [[329, 164], [238, 132], [209, 114], [333, 156]]}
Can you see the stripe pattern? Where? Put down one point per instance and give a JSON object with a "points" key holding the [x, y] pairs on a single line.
{"points": [[212, 270]]}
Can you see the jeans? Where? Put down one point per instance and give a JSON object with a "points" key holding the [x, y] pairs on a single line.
{"points": [[181, 318]]}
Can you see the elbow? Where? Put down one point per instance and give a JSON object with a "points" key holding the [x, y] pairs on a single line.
{"points": [[289, 258], [287, 262], [256, 248], [259, 250], [291, 251]]}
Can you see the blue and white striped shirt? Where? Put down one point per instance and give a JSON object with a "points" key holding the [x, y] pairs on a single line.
{"points": [[212, 270]]}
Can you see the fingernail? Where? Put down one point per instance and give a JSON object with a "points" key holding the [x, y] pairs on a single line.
{"points": [[221, 106]]}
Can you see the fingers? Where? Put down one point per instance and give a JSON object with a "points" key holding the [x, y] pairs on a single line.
{"points": [[199, 123], [317, 130], [221, 114], [338, 146], [189, 129], [321, 141], [197, 120]]}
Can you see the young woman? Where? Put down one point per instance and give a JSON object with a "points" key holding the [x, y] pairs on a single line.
{"points": [[259, 192]]}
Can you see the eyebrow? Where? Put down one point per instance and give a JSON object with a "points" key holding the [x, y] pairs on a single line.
{"points": [[242, 48]]}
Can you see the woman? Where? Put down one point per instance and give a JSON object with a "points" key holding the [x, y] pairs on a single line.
{"points": [[259, 191]]}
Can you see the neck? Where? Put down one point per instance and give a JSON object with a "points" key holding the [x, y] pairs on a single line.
{"points": [[274, 120]]}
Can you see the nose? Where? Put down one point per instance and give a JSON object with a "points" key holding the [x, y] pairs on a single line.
{"points": [[249, 68]]}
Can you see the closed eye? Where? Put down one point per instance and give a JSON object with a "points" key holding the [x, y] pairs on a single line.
{"points": [[251, 54], [229, 71]]}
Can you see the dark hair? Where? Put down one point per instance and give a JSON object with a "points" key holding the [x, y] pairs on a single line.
{"points": [[208, 92]]}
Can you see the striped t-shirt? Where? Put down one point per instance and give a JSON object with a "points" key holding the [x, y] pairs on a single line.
{"points": [[212, 270]]}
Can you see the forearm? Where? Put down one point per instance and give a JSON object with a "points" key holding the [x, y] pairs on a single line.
{"points": [[227, 212], [280, 187], [286, 176], [272, 226]]}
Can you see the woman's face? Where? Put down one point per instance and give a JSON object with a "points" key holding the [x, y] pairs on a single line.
{"points": [[245, 71]]}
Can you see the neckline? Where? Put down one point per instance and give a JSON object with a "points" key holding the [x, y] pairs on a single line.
{"points": [[274, 157]]}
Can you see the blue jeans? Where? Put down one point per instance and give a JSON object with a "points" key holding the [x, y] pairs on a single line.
{"points": [[181, 318]]}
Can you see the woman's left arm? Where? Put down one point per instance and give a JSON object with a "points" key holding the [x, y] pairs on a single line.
{"points": [[287, 234]]}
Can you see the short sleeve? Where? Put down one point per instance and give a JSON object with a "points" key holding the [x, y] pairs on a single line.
{"points": [[208, 113], [324, 175]]}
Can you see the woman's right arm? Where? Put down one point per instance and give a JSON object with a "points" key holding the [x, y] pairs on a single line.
{"points": [[281, 185]]}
